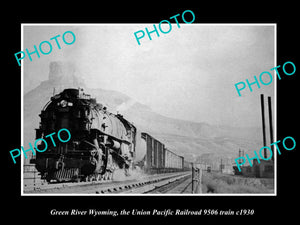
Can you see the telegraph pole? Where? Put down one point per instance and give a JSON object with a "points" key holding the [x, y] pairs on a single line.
{"points": [[263, 123], [271, 125]]}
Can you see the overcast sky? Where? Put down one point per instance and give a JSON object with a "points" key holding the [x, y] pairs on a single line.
{"points": [[187, 74]]}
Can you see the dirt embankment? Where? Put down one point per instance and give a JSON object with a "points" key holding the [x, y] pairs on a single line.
{"points": [[224, 183]]}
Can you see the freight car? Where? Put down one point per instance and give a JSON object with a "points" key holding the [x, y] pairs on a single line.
{"points": [[157, 158], [101, 142]]}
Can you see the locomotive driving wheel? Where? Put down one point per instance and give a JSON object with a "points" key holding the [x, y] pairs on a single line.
{"points": [[110, 167], [98, 177], [105, 159]]}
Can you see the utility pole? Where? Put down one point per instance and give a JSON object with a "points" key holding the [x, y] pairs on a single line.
{"points": [[271, 126], [193, 177], [263, 123], [221, 166]]}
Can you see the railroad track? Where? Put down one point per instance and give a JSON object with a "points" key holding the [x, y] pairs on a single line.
{"points": [[190, 184], [159, 186], [179, 186], [130, 186]]}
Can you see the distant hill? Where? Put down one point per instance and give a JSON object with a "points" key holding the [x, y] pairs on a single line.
{"points": [[190, 139]]}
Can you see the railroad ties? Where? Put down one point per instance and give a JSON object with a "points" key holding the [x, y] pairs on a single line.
{"points": [[172, 183]]}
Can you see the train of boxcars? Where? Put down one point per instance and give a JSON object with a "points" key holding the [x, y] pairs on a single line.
{"points": [[101, 142], [159, 159]]}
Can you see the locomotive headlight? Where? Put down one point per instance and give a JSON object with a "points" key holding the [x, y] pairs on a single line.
{"points": [[63, 103]]}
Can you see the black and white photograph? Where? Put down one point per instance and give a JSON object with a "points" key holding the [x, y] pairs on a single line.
{"points": [[161, 117], [139, 115]]}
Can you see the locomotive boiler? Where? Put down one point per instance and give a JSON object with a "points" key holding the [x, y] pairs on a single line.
{"points": [[101, 142]]}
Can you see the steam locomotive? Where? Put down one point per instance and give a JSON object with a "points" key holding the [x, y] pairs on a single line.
{"points": [[101, 142]]}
